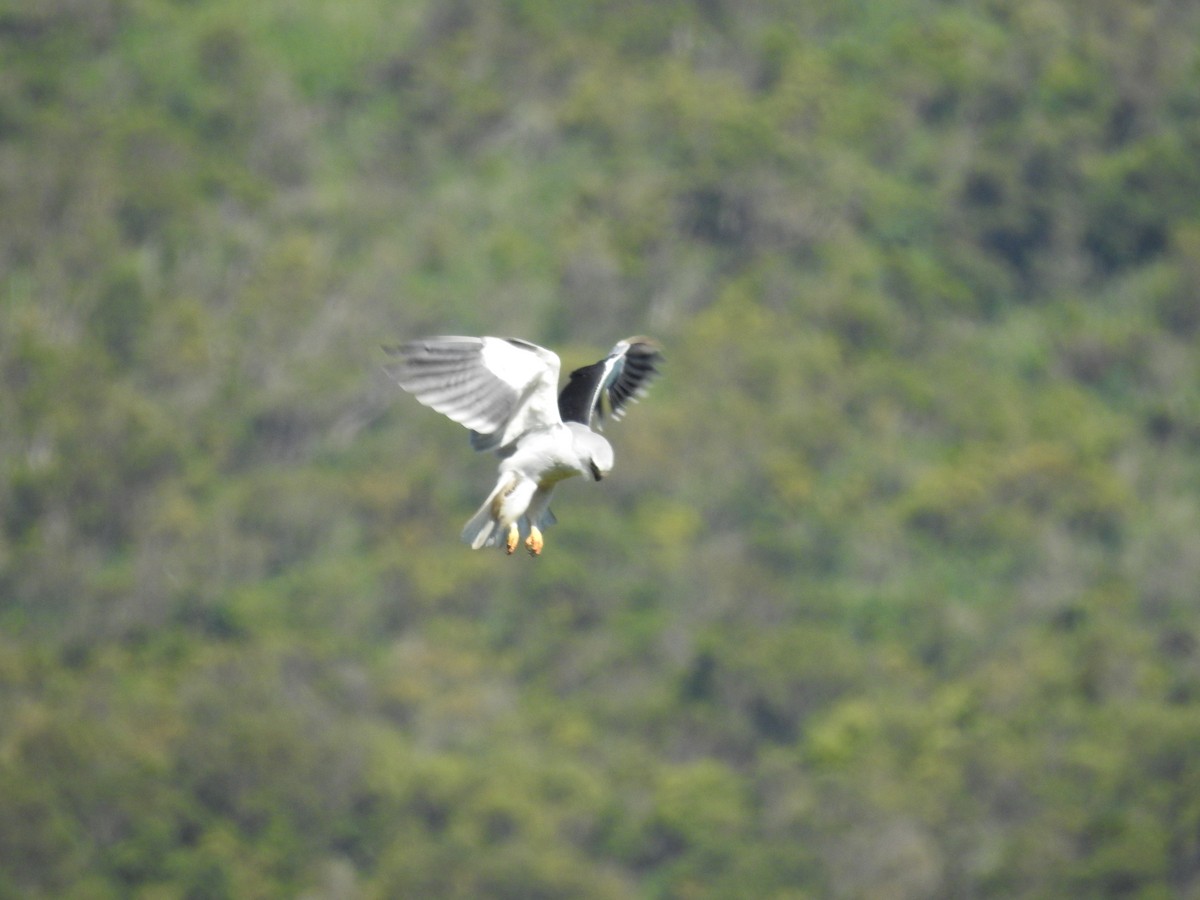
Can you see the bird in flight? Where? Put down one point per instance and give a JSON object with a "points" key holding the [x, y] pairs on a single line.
{"points": [[504, 390]]}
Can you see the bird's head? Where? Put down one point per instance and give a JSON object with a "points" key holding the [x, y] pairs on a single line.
{"points": [[594, 452]]}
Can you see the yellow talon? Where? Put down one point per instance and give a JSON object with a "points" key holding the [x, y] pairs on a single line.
{"points": [[534, 542], [510, 544]]}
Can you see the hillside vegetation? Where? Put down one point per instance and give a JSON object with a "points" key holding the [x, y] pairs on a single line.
{"points": [[892, 593]]}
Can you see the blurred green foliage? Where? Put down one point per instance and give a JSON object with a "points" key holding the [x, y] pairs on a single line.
{"points": [[893, 592]]}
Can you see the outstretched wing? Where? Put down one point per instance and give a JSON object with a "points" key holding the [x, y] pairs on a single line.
{"points": [[606, 387], [500, 388]]}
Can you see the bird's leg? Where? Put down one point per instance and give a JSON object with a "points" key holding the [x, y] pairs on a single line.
{"points": [[510, 543], [534, 542]]}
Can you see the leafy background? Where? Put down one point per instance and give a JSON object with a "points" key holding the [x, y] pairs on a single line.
{"points": [[893, 592]]}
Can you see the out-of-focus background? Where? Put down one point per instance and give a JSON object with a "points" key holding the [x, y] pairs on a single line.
{"points": [[893, 592]]}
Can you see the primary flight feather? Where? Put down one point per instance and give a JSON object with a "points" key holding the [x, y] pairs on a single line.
{"points": [[505, 391]]}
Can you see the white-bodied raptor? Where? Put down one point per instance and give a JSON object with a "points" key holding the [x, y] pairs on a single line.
{"points": [[506, 391]]}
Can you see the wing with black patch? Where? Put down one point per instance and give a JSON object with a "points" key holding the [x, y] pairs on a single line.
{"points": [[606, 388]]}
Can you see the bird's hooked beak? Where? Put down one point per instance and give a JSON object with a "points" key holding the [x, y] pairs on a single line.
{"points": [[596, 473]]}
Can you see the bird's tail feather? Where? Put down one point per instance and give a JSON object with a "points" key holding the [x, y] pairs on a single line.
{"points": [[482, 528]]}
